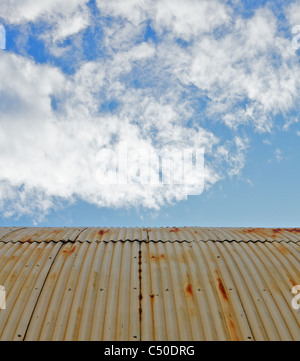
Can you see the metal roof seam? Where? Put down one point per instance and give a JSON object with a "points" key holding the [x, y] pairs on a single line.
{"points": [[174, 234], [143, 241], [76, 238]]}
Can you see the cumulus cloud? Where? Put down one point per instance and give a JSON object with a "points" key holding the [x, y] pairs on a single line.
{"points": [[63, 18], [186, 21], [293, 13], [201, 65]]}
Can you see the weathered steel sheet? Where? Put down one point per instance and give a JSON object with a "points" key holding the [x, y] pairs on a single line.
{"points": [[173, 283]]}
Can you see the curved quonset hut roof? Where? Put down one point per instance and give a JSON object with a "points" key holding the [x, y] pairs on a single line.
{"points": [[187, 283]]}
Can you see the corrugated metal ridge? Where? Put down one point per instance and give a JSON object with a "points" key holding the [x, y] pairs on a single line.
{"points": [[146, 235], [149, 290]]}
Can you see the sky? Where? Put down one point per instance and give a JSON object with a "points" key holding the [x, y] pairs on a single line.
{"points": [[84, 80]]}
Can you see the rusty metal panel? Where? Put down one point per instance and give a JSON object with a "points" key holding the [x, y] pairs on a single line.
{"points": [[270, 234], [104, 234], [188, 283], [219, 291], [4, 231], [23, 270], [91, 293], [169, 234], [198, 234], [36, 234]]}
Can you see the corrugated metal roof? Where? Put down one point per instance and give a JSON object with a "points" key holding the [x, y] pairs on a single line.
{"points": [[186, 283], [30, 235], [169, 234], [7, 230]]}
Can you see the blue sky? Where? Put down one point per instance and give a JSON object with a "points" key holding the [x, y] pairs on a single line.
{"points": [[79, 78]]}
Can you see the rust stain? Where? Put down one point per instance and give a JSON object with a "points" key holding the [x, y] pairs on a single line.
{"points": [[101, 232], [162, 256], [282, 249], [69, 251], [189, 289], [272, 232], [24, 240], [292, 230], [250, 230], [293, 282], [174, 229], [222, 289], [233, 330], [95, 278], [72, 249], [152, 297]]}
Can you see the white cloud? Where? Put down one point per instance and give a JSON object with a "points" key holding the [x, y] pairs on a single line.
{"points": [[192, 19], [58, 132], [66, 17], [293, 13], [240, 74], [278, 155], [289, 122], [48, 155], [183, 20], [249, 74]]}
